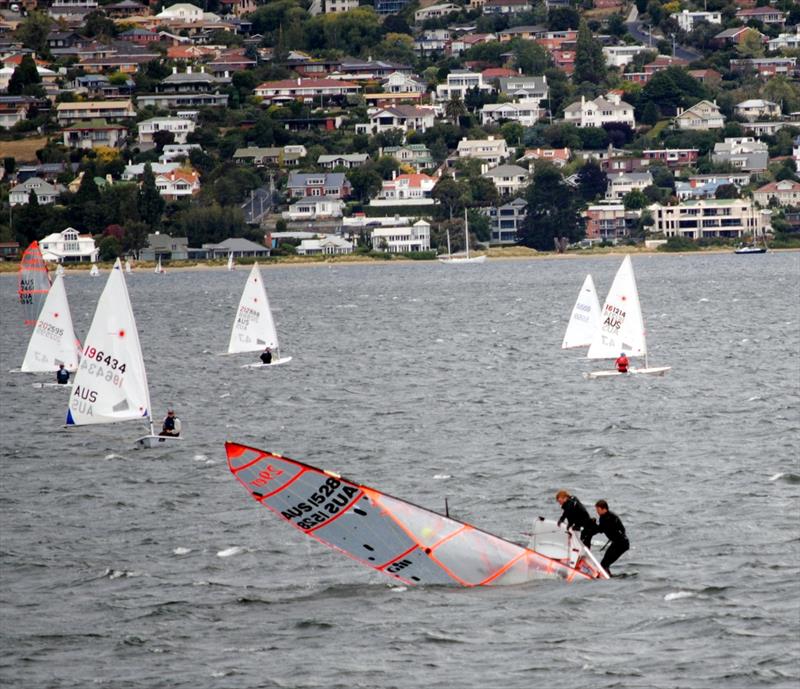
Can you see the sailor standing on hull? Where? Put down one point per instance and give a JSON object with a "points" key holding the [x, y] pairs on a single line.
{"points": [[611, 526], [576, 516]]}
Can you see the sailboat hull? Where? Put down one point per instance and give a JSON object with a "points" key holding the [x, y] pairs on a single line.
{"points": [[651, 371], [275, 362], [471, 259], [39, 386], [151, 441]]}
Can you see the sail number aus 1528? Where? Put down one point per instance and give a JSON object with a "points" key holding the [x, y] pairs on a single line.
{"points": [[321, 505]]}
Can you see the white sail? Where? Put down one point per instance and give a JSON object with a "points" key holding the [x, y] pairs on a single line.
{"points": [[53, 339], [59, 269], [585, 318], [230, 261], [127, 266], [158, 268], [461, 259], [95, 271], [254, 329], [111, 382], [621, 323]]}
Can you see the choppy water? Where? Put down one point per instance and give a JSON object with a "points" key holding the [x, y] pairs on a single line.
{"points": [[154, 569]]}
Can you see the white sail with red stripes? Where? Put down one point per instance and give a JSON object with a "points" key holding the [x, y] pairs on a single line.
{"points": [[34, 283], [400, 539]]}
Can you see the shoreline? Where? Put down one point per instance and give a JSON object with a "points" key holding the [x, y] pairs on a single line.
{"points": [[12, 267]]}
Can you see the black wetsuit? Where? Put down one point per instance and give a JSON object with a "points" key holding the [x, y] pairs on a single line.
{"points": [[266, 357], [612, 527], [62, 376], [576, 516], [168, 428]]}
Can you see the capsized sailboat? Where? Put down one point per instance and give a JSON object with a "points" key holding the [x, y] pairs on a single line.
{"points": [[585, 318], [404, 541], [254, 327], [450, 258], [53, 340], [622, 327], [111, 382], [33, 283]]}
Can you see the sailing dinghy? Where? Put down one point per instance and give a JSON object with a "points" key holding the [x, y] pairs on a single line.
{"points": [[53, 340], [585, 318], [128, 269], [254, 327], [94, 271], [404, 541], [230, 261], [111, 382], [450, 258], [158, 270], [622, 327], [33, 285]]}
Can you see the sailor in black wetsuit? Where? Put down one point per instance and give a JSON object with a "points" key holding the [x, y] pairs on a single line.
{"points": [[62, 375], [610, 525], [576, 516], [266, 356]]}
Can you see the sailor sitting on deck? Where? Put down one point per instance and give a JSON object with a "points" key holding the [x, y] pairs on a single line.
{"points": [[266, 356], [576, 516], [622, 363], [171, 425], [62, 375]]}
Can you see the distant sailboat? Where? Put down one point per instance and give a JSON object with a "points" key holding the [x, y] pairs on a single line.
{"points": [[158, 269], [111, 382], [230, 261], [94, 271], [53, 340], [254, 327], [450, 258], [585, 318], [622, 326], [128, 269], [33, 283]]}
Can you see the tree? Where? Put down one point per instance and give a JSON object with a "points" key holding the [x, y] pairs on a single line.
{"points": [[530, 57], [163, 138], [635, 200], [365, 181], [563, 18], [25, 79], [552, 212], [455, 108], [34, 30], [590, 63], [135, 238], [592, 181], [727, 191], [448, 193], [109, 248], [751, 44], [397, 47], [98, 24], [150, 204]]}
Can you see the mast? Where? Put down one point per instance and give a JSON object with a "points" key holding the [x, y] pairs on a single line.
{"points": [[466, 232]]}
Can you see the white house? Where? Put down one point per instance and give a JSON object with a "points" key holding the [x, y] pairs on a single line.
{"points": [[405, 117], [621, 55], [178, 184], [757, 109], [697, 219], [347, 160], [786, 193], [397, 82], [702, 115], [134, 171], [786, 41], [435, 11], [508, 179], [315, 208], [328, 245], [46, 193], [172, 152], [526, 112], [687, 20], [185, 12], [742, 153], [180, 128], [68, 246], [525, 88], [459, 81], [621, 183], [406, 190], [491, 152], [606, 109], [402, 239]]}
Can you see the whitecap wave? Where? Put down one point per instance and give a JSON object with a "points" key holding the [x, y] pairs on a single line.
{"points": [[441, 477], [677, 595], [182, 551], [233, 550]]}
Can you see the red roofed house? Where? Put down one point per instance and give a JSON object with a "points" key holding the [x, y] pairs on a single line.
{"points": [[558, 156], [414, 188], [178, 184], [306, 90], [786, 193], [498, 73], [765, 15]]}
